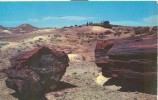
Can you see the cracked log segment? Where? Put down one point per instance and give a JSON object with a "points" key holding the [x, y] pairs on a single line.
{"points": [[34, 72], [133, 57]]}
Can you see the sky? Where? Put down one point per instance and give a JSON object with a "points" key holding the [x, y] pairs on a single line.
{"points": [[59, 14]]}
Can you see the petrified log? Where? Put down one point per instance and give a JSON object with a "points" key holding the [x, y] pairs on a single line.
{"points": [[133, 57], [34, 72]]}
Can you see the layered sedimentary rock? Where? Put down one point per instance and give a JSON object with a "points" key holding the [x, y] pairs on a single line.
{"points": [[134, 57], [36, 71]]}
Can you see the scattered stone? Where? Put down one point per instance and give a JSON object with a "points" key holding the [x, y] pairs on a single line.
{"points": [[56, 95]]}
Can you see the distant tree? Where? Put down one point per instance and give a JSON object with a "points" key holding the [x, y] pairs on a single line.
{"points": [[91, 23], [87, 24], [106, 24]]}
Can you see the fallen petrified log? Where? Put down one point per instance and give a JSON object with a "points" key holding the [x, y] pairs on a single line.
{"points": [[34, 72], [134, 57]]}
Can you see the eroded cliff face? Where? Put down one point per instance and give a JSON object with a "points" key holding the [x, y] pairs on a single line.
{"points": [[34, 72], [133, 57]]}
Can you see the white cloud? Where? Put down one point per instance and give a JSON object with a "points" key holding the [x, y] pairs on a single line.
{"points": [[77, 18], [128, 23], [47, 18], [148, 21], [16, 21], [67, 18], [33, 20], [152, 20]]}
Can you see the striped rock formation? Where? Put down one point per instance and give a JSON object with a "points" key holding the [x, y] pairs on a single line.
{"points": [[134, 57]]}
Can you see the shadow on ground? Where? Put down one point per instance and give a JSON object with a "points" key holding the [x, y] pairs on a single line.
{"points": [[133, 85], [61, 86]]}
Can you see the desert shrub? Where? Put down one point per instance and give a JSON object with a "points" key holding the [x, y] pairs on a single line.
{"points": [[107, 32], [151, 32], [101, 34], [106, 24], [117, 33], [71, 26], [40, 39], [83, 40], [57, 36], [126, 32], [92, 33], [31, 42], [84, 58], [154, 28], [90, 36], [80, 41], [141, 30]]}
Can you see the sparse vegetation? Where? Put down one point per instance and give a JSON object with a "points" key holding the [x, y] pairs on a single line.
{"points": [[141, 30], [31, 42], [105, 24], [40, 39], [57, 36]]}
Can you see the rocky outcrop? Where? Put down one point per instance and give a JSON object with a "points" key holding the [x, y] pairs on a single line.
{"points": [[133, 57], [34, 72]]}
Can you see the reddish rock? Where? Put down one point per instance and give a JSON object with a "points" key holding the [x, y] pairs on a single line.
{"points": [[133, 57], [34, 72]]}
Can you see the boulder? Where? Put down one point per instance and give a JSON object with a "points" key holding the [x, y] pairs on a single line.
{"points": [[134, 57], [34, 72]]}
